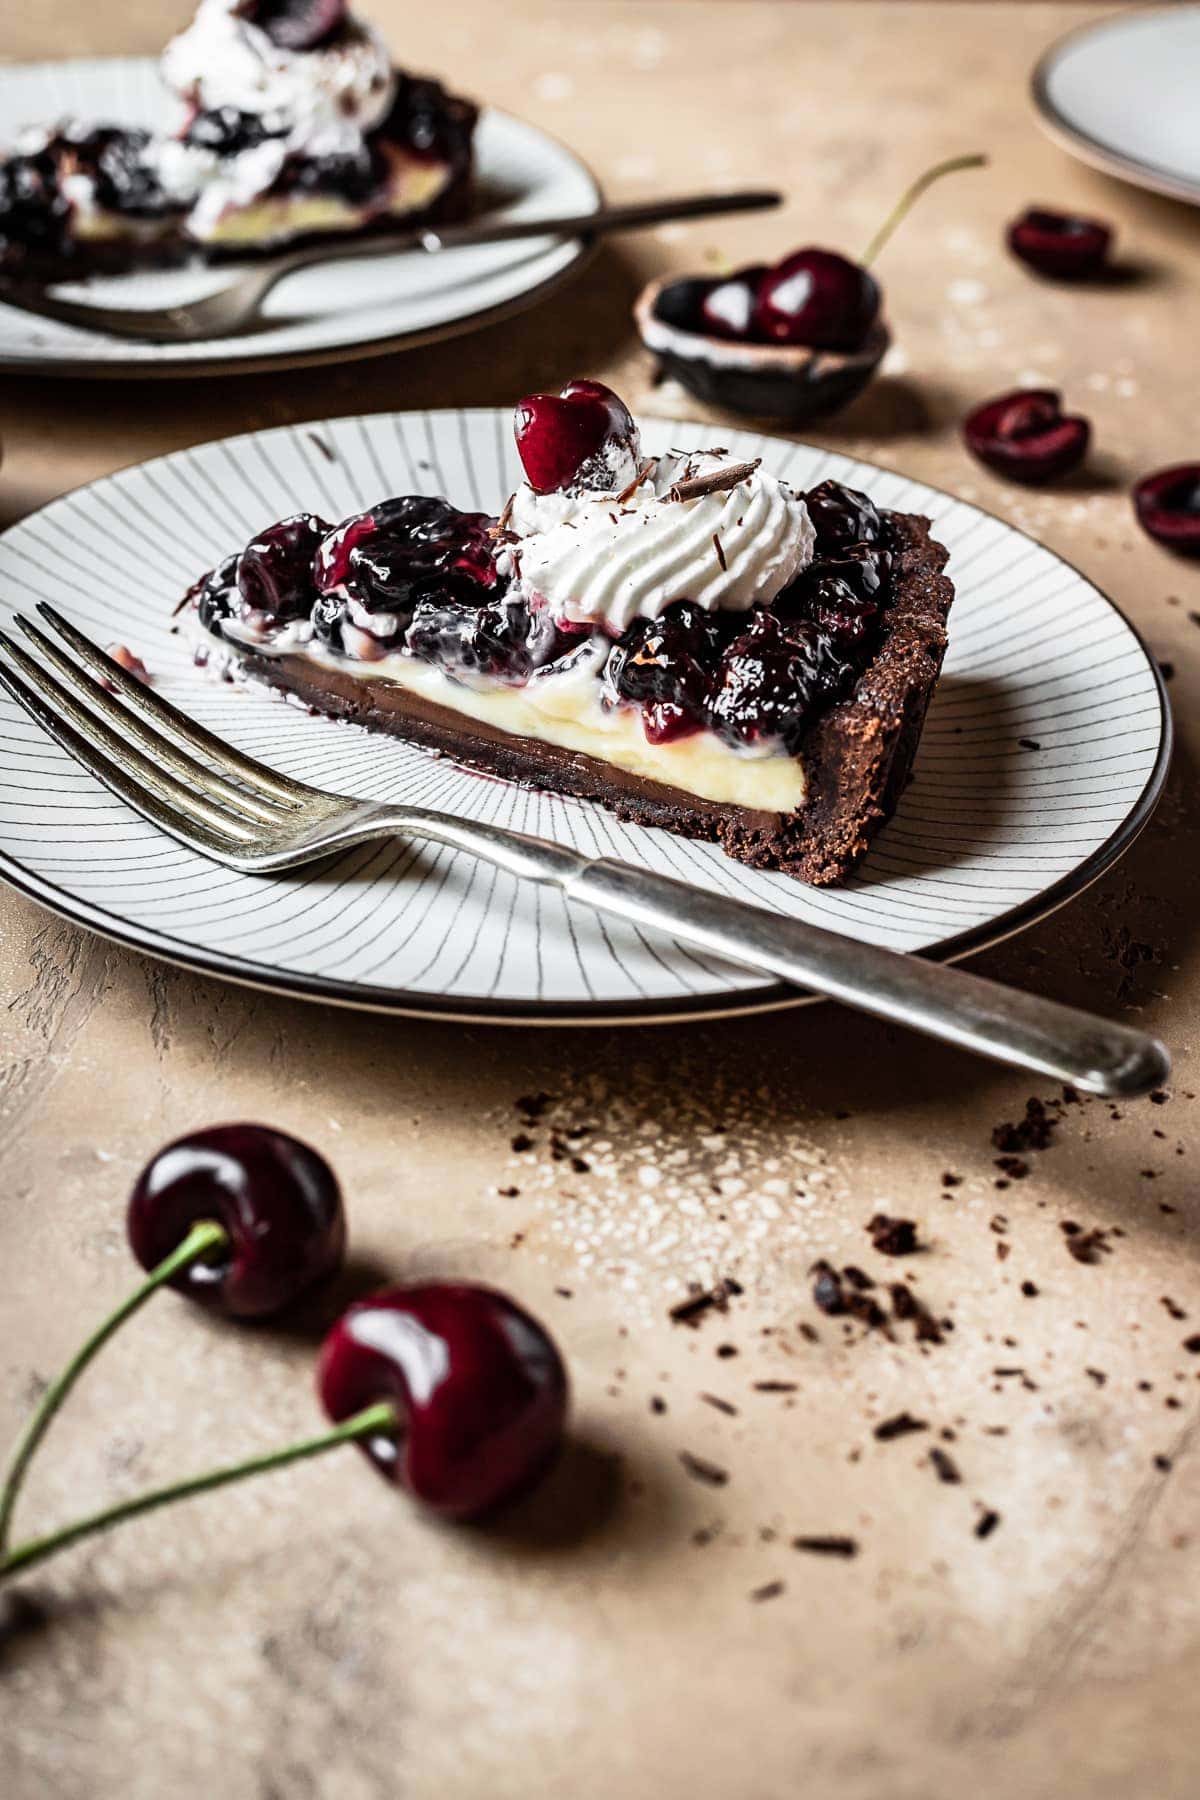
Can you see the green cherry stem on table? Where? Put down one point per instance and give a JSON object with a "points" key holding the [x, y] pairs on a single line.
{"points": [[382, 1419], [912, 194], [201, 1241]]}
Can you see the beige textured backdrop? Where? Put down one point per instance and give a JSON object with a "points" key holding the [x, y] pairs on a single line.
{"points": [[312, 1636]]}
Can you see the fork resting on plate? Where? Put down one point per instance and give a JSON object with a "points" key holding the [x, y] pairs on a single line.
{"points": [[239, 812]]}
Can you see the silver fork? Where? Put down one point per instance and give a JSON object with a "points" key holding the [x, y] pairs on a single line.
{"points": [[235, 307], [237, 811]]}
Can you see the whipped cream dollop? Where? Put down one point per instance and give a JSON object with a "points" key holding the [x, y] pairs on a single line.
{"points": [[614, 557], [319, 101]]}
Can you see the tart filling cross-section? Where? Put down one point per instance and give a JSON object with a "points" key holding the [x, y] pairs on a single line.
{"points": [[685, 637]]}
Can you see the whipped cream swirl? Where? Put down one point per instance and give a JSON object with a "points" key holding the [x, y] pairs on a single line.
{"points": [[319, 101], [592, 558]]}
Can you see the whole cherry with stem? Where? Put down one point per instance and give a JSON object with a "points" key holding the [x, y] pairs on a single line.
{"points": [[241, 1218]]}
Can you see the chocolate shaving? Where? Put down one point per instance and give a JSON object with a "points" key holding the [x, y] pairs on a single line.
{"points": [[717, 481], [627, 493], [892, 1237], [945, 1466], [700, 1470], [987, 1523], [899, 1426], [831, 1545], [720, 549], [771, 1590]]}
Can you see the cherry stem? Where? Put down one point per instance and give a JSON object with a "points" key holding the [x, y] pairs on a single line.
{"points": [[380, 1419], [200, 1242], [910, 197]]}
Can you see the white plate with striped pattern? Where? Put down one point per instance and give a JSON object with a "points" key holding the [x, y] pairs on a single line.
{"points": [[1045, 750], [324, 314]]}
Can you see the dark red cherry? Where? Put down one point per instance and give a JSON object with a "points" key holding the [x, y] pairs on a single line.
{"points": [[296, 24], [275, 570], [727, 309], [1168, 507], [1026, 435], [278, 1200], [561, 437], [480, 1387], [816, 298], [1058, 244]]}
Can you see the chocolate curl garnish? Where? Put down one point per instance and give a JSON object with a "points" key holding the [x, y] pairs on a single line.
{"points": [[717, 481], [627, 493], [500, 528]]}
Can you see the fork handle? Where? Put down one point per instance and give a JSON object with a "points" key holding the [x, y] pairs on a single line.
{"points": [[935, 998]]}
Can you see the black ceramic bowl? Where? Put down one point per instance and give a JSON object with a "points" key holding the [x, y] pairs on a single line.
{"points": [[781, 382]]}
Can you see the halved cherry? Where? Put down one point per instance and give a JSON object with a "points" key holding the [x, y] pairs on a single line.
{"points": [[1167, 504], [296, 24], [1026, 435], [1061, 244]]}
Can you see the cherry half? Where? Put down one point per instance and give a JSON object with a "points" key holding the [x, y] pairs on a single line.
{"points": [[275, 570], [277, 1200], [479, 1386], [561, 437], [1167, 504], [1026, 435], [1060, 244], [727, 306]]}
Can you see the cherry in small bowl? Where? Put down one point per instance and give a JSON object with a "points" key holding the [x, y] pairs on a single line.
{"points": [[480, 1389], [1062, 245], [277, 1200], [1027, 436], [1167, 504]]}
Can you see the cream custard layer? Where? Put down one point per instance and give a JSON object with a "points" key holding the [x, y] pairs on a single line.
{"points": [[564, 709]]}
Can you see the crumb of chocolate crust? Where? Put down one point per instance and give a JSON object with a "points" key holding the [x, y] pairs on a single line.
{"points": [[809, 1332], [1015, 1167], [770, 1590], [827, 1545], [1192, 1344], [1029, 1289], [986, 1523], [1087, 1246], [945, 1467], [532, 1106], [775, 1387], [1163, 1463], [1096, 1375], [565, 1293], [521, 1142], [899, 1425], [657, 1404], [700, 1469], [1175, 1311], [907, 1308], [892, 1236], [1033, 1132], [1003, 1251], [858, 1278], [950, 1180], [1159, 1097], [725, 1351]]}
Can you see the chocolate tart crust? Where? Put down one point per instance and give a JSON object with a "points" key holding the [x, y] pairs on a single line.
{"points": [[857, 757]]}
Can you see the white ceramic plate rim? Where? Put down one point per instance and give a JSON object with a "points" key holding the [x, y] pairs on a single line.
{"points": [[651, 1010], [1107, 157]]}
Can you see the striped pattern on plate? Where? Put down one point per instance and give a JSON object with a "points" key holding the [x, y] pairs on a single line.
{"points": [[1044, 751], [321, 314]]}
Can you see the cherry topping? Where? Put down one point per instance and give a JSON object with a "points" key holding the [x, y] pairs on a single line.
{"points": [[575, 438], [1061, 245], [386, 557], [296, 24], [277, 1199], [727, 306], [773, 678], [480, 1386], [275, 570], [500, 638], [1026, 435], [816, 298], [1168, 507], [667, 660], [842, 515]]}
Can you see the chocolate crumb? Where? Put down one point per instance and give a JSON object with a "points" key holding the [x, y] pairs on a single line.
{"points": [[657, 1404], [1159, 1097], [775, 1387], [987, 1523], [521, 1142], [945, 1466], [950, 1180], [907, 1307], [1029, 1289], [1096, 1375], [508, 1193], [770, 1590], [319, 443], [1029, 743], [1163, 1463], [726, 1350], [1175, 1311], [892, 1237], [1192, 1344], [1015, 1167], [700, 1470], [831, 1545], [899, 1425], [1087, 1246], [690, 1311]]}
